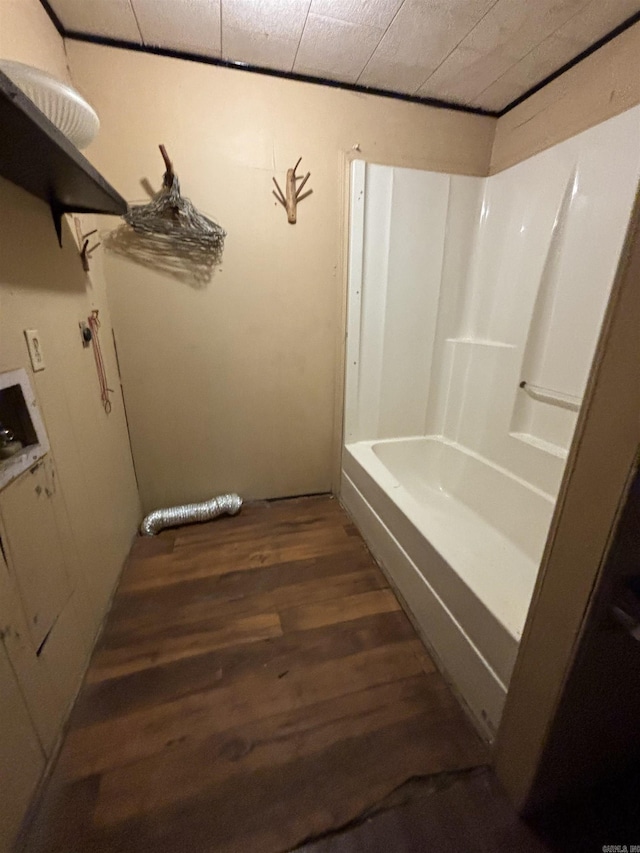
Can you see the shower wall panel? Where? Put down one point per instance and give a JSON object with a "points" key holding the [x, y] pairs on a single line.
{"points": [[470, 286], [403, 214]]}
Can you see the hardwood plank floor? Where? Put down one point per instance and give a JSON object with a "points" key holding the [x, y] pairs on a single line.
{"points": [[453, 813], [256, 685]]}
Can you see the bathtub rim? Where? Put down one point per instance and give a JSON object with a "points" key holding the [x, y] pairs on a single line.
{"points": [[364, 456], [480, 690]]}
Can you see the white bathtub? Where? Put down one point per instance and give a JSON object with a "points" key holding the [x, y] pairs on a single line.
{"points": [[461, 539]]}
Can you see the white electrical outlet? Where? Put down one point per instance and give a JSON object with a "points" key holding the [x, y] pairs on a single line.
{"points": [[34, 346]]}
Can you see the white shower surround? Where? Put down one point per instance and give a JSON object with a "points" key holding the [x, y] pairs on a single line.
{"points": [[459, 289]]}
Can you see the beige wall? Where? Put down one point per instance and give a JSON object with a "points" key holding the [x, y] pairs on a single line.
{"points": [[601, 86], [93, 509], [27, 35], [234, 386]]}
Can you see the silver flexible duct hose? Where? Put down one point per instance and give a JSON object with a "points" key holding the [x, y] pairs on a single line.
{"points": [[188, 513]]}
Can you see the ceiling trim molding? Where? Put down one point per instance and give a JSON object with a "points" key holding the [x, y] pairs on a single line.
{"points": [[585, 53], [335, 84], [55, 20], [257, 69], [274, 72]]}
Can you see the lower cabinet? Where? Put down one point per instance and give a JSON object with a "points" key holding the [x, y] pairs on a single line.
{"points": [[44, 639], [33, 550], [22, 759]]}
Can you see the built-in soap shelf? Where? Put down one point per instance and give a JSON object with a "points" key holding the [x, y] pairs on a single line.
{"points": [[541, 444], [481, 342]]}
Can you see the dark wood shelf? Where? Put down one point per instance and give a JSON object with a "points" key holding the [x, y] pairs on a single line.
{"points": [[36, 156]]}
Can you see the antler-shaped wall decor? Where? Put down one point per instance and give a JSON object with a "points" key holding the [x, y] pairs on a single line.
{"points": [[83, 241], [293, 196]]}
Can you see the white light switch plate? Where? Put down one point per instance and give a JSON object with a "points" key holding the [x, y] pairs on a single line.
{"points": [[34, 346]]}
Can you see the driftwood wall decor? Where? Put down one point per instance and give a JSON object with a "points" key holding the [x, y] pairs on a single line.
{"points": [[294, 194]]}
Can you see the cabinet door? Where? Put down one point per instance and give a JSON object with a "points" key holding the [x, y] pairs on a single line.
{"points": [[33, 549], [21, 759], [37, 684]]}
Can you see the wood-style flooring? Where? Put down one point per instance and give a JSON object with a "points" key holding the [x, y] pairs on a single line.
{"points": [[256, 686], [464, 812]]}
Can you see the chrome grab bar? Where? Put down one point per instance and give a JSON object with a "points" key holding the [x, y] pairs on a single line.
{"points": [[555, 398]]}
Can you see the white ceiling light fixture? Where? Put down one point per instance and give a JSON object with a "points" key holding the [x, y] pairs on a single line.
{"points": [[61, 104]]}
